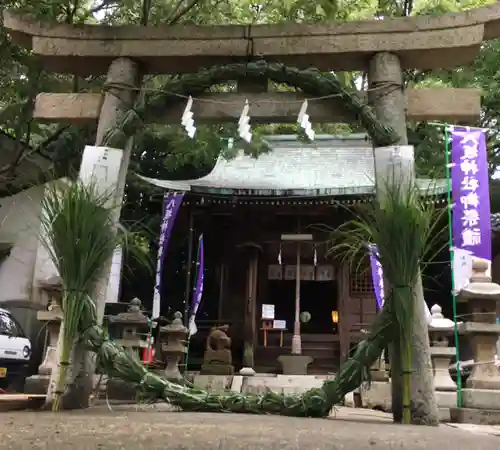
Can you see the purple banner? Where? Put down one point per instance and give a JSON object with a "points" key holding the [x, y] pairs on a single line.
{"points": [[198, 288], [171, 205], [377, 275], [470, 192]]}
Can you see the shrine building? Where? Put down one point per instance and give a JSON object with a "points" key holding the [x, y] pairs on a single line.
{"points": [[250, 211]]}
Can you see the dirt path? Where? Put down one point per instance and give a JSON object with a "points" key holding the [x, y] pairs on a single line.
{"points": [[125, 428]]}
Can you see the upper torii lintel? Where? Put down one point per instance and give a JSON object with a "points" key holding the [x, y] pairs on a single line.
{"points": [[421, 42]]}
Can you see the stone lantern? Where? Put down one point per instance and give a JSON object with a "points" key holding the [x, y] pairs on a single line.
{"points": [[174, 346], [128, 327], [481, 396], [50, 291], [440, 330]]}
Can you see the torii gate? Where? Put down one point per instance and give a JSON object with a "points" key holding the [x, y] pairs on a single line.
{"points": [[383, 49]]}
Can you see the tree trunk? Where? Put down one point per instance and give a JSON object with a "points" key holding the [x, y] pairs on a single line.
{"points": [[387, 97], [117, 100]]}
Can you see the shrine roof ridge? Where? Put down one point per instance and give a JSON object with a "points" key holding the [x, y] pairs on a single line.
{"points": [[329, 166], [30, 26], [292, 139]]}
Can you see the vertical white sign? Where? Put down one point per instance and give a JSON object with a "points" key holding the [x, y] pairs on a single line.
{"points": [[462, 269], [115, 278], [101, 165]]}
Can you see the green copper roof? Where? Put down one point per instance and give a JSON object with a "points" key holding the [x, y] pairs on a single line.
{"points": [[329, 166]]}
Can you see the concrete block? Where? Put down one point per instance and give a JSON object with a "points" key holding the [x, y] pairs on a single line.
{"points": [[37, 384], [475, 416], [377, 396], [237, 383], [444, 415], [446, 399], [481, 399], [349, 400], [213, 383], [288, 384]]}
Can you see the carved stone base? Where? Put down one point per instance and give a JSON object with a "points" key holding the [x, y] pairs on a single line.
{"points": [[49, 361], [446, 400], [221, 356], [484, 377], [295, 364], [481, 398], [37, 384], [217, 369], [172, 371], [441, 357]]}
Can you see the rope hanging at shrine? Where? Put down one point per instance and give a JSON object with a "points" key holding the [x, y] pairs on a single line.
{"points": [[269, 101], [311, 81]]}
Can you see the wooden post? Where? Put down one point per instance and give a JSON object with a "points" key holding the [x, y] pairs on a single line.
{"points": [[344, 324], [189, 267], [222, 283], [296, 339], [248, 353], [385, 78]]}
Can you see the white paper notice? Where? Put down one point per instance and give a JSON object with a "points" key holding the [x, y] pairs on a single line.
{"points": [[101, 165], [279, 324], [462, 269], [268, 312]]}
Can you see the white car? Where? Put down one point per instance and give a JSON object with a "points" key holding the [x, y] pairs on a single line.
{"points": [[15, 349]]}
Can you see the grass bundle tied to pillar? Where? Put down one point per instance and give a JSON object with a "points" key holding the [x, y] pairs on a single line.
{"points": [[405, 226], [80, 236], [79, 233]]}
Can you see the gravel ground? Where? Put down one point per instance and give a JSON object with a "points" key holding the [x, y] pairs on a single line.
{"points": [[127, 428]]}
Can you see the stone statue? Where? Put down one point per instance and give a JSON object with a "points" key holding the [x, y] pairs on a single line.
{"points": [[217, 359]]}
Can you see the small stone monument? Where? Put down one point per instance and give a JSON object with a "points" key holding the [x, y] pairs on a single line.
{"points": [[50, 290], [218, 359], [175, 346], [481, 396], [440, 329]]}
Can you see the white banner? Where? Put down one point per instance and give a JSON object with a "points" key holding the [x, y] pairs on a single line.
{"points": [[462, 269]]}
